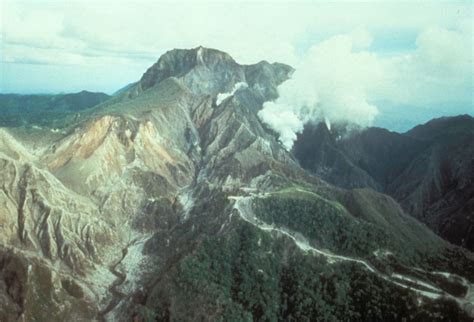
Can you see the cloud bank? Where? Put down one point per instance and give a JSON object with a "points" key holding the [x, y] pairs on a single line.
{"points": [[116, 43], [340, 80]]}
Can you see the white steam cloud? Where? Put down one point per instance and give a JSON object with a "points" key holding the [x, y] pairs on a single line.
{"points": [[222, 96], [340, 79], [330, 84]]}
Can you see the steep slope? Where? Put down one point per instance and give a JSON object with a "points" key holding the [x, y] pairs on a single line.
{"points": [[440, 189], [209, 217], [209, 71], [317, 150], [52, 241], [428, 169]]}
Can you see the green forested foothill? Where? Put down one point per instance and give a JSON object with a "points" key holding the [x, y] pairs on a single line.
{"points": [[247, 275], [326, 223], [45, 110]]}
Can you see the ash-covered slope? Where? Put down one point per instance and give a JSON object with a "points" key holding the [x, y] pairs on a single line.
{"points": [[429, 169], [196, 212], [52, 241]]}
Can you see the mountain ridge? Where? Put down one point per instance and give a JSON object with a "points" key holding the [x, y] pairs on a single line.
{"points": [[197, 212], [45, 110], [427, 169]]}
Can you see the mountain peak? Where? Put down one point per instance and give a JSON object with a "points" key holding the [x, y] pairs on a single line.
{"points": [[119, 211], [179, 62], [207, 71]]}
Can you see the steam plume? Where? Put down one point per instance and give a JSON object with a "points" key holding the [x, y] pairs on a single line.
{"points": [[330, 84]]}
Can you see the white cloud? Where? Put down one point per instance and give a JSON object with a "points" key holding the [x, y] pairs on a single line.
{"points": [[222, 96], [284, 120], [249, 31], [330, 83], [340, 79], [131, 35]]}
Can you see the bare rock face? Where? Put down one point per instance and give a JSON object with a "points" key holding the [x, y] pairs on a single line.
{"points": [[175, 188], [207, 71], [49, 217], [204, 71], [51, 237], [109, 150]]}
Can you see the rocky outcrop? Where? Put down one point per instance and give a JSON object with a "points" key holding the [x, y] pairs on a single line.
{"points": [[207, 71]]}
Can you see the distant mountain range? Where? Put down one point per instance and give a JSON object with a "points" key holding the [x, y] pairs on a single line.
{"points": [[401, 118], [44, 110], [171, 201]]}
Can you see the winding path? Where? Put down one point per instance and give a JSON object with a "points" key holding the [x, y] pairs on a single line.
{"points": [[243, 205]]}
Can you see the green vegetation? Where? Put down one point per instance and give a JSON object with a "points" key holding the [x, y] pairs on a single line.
{"points": [[45, 110], [453, 260], [251, 275], [330, 226], [325, 222], [246, 275]]}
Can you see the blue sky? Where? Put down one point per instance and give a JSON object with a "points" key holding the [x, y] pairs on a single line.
{"points": [[418, 52]]}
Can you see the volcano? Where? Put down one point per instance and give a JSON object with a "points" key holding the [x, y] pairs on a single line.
{"points": [[172, 201]]}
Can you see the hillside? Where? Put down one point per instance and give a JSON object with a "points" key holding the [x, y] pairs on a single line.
{"points": [[428, 169], [45, 110]]}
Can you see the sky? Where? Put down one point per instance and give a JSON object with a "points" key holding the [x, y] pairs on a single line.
{"points": [[352, 53]]}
